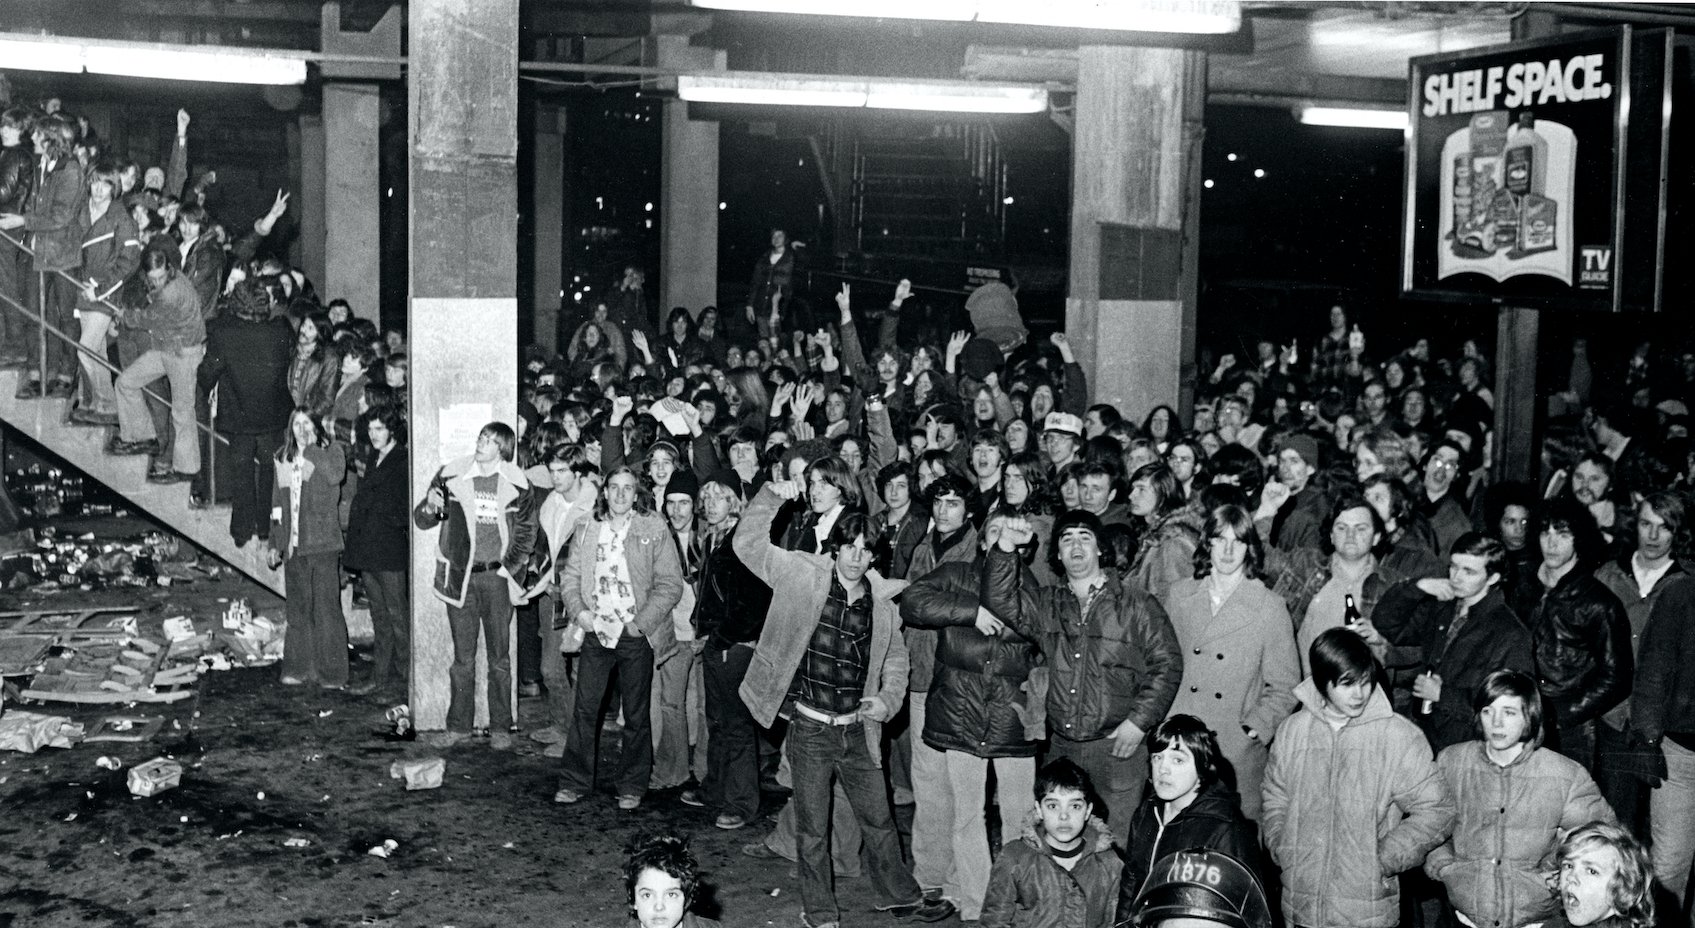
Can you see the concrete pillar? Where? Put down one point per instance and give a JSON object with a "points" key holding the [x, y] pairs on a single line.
{"points": [[462, 85], [547, 222], [311, 197], [688, 191], [1135, 217], [353, 198]]}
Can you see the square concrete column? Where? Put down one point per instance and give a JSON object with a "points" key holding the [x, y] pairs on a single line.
{"points": [[1135, 223], [309, 246], [688, 191], [462, 84], [352, 198]]}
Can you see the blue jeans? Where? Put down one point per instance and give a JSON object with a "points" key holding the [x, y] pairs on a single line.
{"points": [[135, 423], [488, 606], [819, 755], [633, 659]]}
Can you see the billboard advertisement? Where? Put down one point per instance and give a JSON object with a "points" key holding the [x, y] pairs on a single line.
{"points": [[1523, 172]]}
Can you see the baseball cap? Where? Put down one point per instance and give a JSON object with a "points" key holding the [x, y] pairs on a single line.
{"points": [[1063, 422]]}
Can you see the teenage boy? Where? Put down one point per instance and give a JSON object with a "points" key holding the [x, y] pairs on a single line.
{"points": [[1063, 870], [1340, 772]]}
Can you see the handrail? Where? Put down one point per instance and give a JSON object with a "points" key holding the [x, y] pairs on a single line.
{"points": [[116, 309], [102, 361], [861, 278]]}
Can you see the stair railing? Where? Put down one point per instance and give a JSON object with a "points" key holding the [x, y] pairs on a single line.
{"points": [[45, 329]]}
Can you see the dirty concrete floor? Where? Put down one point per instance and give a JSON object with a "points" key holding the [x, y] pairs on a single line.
{"points": [[489, 848]]}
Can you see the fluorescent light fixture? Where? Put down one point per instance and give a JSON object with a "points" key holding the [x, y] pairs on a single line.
{"points": [[226, 67], [771, 89], [28, 55], [1353, 118], [145, 59], [1205, 17]]}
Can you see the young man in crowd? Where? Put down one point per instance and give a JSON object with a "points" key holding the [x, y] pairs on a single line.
{"points": [[1112, 655], [1447, 635], [831, 660]]}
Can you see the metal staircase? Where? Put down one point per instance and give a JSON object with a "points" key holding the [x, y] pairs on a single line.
{"points": [[936, 192], [46, 421]]}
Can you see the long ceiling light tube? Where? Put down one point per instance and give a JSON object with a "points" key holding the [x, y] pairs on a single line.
{"points": [[1352, 117], [1200, 17], [773, 89], [144, 59]]}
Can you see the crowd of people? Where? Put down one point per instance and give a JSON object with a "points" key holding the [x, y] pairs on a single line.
{"points": [[899, 557], [891, 555]]}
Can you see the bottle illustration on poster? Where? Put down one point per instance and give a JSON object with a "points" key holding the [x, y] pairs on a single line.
{"points": [[1507, 186]]}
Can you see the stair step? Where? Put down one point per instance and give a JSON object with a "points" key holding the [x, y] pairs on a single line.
{"points": [[44, 420]]}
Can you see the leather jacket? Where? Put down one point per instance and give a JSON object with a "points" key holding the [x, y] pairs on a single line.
{"points": [[730, 600], [17, 174], [1581, 640]]}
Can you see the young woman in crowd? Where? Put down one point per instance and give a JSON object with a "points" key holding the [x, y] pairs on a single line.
{"points": [[306, 539]]}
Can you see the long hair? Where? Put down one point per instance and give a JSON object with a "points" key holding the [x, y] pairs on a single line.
{"points": [[1241, 524], [291, 448], [1164, 484], [644, 492], [755, 399], [1511, 683], [1030, 466], [321, 324], [1196, 738], [1631, 887]]}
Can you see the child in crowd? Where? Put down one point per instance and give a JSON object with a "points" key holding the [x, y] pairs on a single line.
{"points": [[1063, 871], [661, 877], [1605, 880]]}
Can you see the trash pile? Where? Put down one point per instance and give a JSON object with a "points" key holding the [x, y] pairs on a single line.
{"points": [[96, 656], [48, 491], [44, 562]]}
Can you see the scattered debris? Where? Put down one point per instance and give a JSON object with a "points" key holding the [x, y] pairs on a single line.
{"points": [[384, 849], [109, 763], [125, 729], [297, 842], [29, 732], [155, 777], [419, 772]]}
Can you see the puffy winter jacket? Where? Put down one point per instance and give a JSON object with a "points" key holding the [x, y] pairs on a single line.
{"points": [[978, 701], [1581, 640], [1213, 821], [921, 640], [1121, 661], [1348, 809], [1028, 890], [1509, 824]]}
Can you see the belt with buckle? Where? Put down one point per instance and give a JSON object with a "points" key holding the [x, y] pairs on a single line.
{"points": [[478, 567], [825, 718]]}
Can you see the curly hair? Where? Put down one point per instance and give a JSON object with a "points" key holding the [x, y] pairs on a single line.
{"points": [[1631, 887], [669, 855]]}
